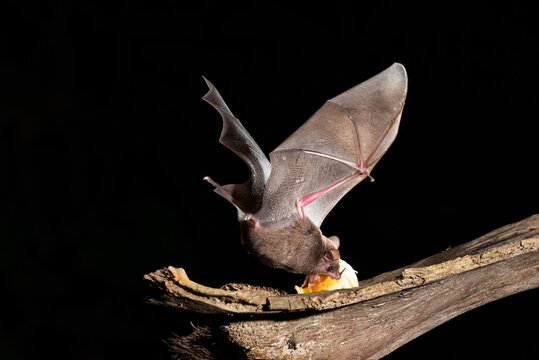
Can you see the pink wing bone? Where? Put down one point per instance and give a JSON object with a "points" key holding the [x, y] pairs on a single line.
{"points": [[359, 169]]}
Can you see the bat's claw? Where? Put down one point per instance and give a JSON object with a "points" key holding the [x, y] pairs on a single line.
{"points": [[363, 170], [210, 180], [367, 174]]}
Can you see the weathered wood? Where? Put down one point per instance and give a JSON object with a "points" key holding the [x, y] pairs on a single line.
{"points": [[370, 321], [175, 289], [372, 329]]}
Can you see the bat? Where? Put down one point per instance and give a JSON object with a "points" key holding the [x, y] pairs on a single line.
{"points": [[286, 199]]}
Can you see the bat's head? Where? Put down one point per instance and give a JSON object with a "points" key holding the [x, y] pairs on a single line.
{"points": [[329, 264], [297, 246]]}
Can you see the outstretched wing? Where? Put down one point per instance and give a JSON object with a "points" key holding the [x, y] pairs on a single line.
{"points": [[246, 197], [336, 148]]}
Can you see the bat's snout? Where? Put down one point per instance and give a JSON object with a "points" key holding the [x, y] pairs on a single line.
{"points": [[336, 275]]}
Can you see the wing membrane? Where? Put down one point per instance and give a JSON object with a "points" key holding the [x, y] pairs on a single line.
{"points": [[247, 197], [336, 148]]}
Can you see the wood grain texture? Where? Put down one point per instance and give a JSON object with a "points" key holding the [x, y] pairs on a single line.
{"points": [[367, 322], [374, 328]]}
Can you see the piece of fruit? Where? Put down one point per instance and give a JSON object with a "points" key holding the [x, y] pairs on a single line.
{"points": [[324, 282]]}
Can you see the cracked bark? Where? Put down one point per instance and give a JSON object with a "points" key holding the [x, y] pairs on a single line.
{"points": [[366, 322]]}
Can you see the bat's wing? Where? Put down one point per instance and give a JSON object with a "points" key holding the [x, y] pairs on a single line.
{"points": [[246, 197], [336, 148]]}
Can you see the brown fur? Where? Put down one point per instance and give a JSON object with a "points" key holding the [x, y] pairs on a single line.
{"points": [[296, 245], [321, 161]]}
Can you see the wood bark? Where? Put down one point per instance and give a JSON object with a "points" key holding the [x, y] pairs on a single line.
{"points": [[366, 322]]}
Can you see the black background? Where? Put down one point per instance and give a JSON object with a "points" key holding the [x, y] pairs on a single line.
{"points": [[104, 142]]}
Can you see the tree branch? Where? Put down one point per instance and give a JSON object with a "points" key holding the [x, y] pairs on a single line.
{"points": [[370, 321]]}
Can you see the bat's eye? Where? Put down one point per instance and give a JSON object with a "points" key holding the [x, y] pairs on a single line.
{"points": [[330, 268]]}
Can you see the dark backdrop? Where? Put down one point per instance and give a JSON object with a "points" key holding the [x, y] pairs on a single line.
{"points": [[104, 141]]}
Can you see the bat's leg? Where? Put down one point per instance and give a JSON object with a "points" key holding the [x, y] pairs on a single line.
{"points": [[254, 221], [307, 199]]}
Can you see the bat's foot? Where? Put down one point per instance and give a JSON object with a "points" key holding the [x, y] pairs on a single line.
{"points": [[220, 190], [210, 180], [254, 221]]}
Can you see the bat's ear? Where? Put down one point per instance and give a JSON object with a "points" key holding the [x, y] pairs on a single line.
{"points": [[332, 255], [335, 241]]}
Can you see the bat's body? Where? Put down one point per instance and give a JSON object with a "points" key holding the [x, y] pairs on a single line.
{"points": [[281, 207]]}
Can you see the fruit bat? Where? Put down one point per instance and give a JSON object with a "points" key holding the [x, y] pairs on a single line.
{"points": [[285, 200]]}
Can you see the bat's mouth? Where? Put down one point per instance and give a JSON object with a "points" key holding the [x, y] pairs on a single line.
{"points": [[336, 275], [314, 277]]}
